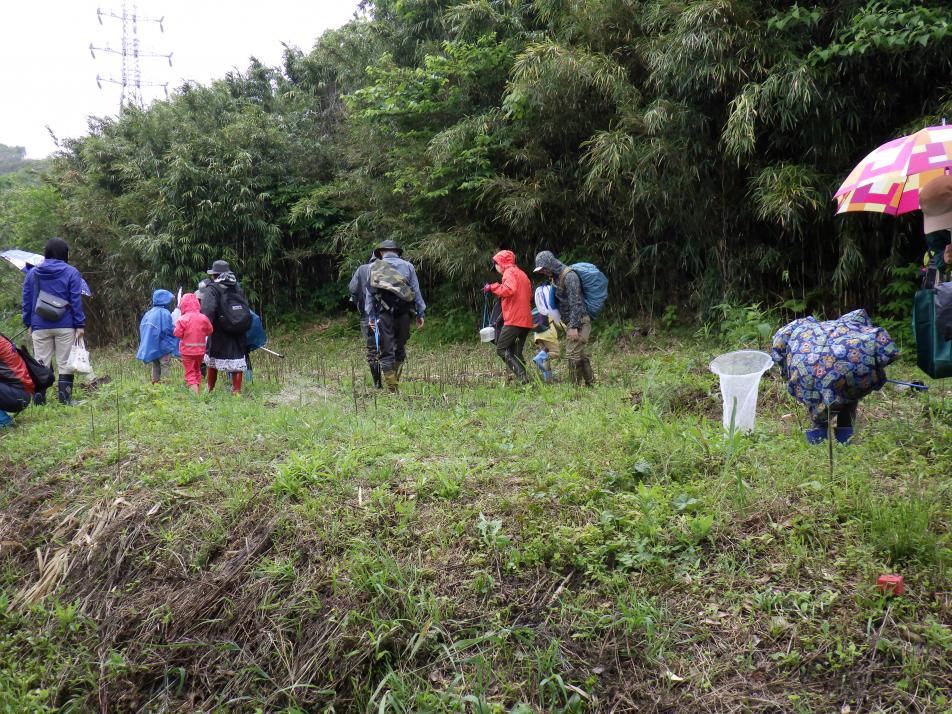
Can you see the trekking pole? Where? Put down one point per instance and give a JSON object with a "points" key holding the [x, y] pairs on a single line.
{"points": [[911, 385], [271, 352]]}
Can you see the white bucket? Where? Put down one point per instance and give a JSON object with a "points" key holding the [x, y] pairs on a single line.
{"points": [[740, 374], [487, 334]]}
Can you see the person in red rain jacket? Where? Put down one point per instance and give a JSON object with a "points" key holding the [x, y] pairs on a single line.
{"points": [[515, 292], [16, 386], [192, 329]]}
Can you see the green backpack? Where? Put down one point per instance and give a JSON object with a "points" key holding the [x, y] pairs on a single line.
{"points": [[933, 353], [387, 278]]}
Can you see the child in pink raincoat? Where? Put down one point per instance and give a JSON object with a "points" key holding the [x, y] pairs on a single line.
{"points": [[192, 329]]}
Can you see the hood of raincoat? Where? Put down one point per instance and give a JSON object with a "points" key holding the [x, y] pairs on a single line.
{"points": [[156, 338], [546, 260], [514, 291], [504, 259], [189, 304], [162, 298]]}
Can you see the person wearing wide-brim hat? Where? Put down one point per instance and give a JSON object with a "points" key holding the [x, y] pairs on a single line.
{"points": [[226, 350], [389, 246], [392, 295]]}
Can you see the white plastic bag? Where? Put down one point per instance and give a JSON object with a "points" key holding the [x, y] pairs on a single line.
{"points": [[79, 358]]}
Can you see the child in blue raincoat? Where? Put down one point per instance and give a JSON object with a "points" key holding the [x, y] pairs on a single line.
{"points": [[157, 344]]}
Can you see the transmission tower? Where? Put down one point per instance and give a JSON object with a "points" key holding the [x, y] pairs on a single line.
{"points": [[130, 79]]}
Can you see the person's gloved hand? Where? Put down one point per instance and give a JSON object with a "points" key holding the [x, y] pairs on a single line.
{"points": [[486, 288]]}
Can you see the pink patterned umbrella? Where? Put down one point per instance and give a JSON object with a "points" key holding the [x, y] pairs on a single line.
{"points": [[889, 179]]}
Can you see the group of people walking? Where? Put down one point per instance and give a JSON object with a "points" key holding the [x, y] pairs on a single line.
{"points": [[387, 294], [213, 330]]}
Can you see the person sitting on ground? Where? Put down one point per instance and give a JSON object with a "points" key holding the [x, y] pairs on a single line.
{"points": [[358, 288], [226, 346], [57, 321], [571, 301], [157, 344], [192, 329], [392, 294], [515, 292], [16, 386]]}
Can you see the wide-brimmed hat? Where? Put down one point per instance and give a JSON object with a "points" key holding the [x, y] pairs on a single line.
{"points": [[935, 200], [388, 245], [219, 267]]}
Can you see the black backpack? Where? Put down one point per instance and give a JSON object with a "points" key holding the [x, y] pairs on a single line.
{"points": [[234, 312], [41, 375]]}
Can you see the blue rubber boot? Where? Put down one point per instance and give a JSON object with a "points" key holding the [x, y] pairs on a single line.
{"points": [[844, 434], [815, 436], [542, 362], [5, 419]]}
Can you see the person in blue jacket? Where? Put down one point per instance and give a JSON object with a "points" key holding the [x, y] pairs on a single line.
{"points": [[55, 337], [157, 345]]}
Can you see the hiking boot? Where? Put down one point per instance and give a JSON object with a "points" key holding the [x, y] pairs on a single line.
{"points": [[588, 374], [392, 380], [64, 389]]}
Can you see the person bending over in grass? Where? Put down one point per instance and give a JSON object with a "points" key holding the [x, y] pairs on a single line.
{"points": [[157, 344], [16, 386], [192, 330]]}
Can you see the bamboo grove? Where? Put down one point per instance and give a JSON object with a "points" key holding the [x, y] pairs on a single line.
{"points": [[689, 147]]}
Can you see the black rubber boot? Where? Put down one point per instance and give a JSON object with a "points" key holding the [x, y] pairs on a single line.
{"points": [[376, 374], [64, 389], [39, 398], [517, 367], [588, 374]]}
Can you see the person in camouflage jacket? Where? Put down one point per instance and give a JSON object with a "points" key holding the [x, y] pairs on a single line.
{"points": [[571, 302]]}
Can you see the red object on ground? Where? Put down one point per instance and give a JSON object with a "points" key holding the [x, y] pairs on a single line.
{"points": [[891, 584]]}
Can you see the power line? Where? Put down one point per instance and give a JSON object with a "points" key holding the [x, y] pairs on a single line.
{"points": [[130, 80]]}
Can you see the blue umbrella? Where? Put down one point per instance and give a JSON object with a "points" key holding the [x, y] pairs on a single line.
{"points": [[23, 261]]}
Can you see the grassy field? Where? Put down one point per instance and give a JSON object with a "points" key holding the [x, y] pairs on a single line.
{"points": [[468, 546]]}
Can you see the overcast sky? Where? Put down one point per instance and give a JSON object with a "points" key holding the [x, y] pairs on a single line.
{"points": [[48, 77]]}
